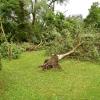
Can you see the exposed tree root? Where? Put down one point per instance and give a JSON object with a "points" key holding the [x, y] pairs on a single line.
{"points": [[53, 61]]}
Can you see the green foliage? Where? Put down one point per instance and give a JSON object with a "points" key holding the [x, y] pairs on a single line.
{"points": [[71, 35], [60, 44], [57, 33], [15, 50], [93, 19], [15, 19]]}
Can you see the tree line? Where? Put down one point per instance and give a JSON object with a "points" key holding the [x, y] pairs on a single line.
{"points": [[35, 21]]}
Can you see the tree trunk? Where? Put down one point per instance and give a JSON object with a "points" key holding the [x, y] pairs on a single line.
{"points": [[22, 11], [33, 11], [2, 29], [52, 5]]}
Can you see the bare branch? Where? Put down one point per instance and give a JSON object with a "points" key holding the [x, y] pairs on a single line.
{"points": [[70, 52]]}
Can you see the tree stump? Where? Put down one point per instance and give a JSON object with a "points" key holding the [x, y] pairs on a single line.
{"points": [[51, 63]]}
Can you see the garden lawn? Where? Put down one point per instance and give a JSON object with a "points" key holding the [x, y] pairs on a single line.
{"points": [[22, 79]]}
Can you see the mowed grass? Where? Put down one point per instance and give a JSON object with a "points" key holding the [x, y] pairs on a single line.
{"points": [[22, 80]]}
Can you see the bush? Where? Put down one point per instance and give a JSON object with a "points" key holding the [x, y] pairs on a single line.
{"points": [[10, 49]]}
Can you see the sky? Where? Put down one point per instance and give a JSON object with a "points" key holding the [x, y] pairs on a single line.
{"points": [[76, 7]]}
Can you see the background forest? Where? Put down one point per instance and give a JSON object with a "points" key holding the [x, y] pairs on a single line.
{"points": [[27, 24]]}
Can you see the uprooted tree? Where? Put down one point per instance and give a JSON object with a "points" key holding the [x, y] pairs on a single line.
{"points": [[53, 61]]}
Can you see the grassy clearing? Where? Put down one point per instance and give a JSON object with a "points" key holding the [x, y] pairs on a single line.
{"points": [[22, 80]]}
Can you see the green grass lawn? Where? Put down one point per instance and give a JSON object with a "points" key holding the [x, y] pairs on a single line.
{"points": [[22, 80]]}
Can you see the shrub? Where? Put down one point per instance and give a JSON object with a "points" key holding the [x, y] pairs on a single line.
{"points": [[10, 49]]}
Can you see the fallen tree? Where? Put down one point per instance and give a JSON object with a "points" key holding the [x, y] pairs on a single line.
{"points": [[33, 47], [53, 61]]}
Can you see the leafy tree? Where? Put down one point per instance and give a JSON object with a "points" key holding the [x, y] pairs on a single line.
{"points": [[52, 3], [15, 19], [94, 16]]}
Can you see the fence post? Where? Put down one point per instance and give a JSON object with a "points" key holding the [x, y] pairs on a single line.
{"points": [[0, 63]]}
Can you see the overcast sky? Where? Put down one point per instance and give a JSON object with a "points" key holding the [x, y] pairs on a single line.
{"points": [[76, 7]]}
